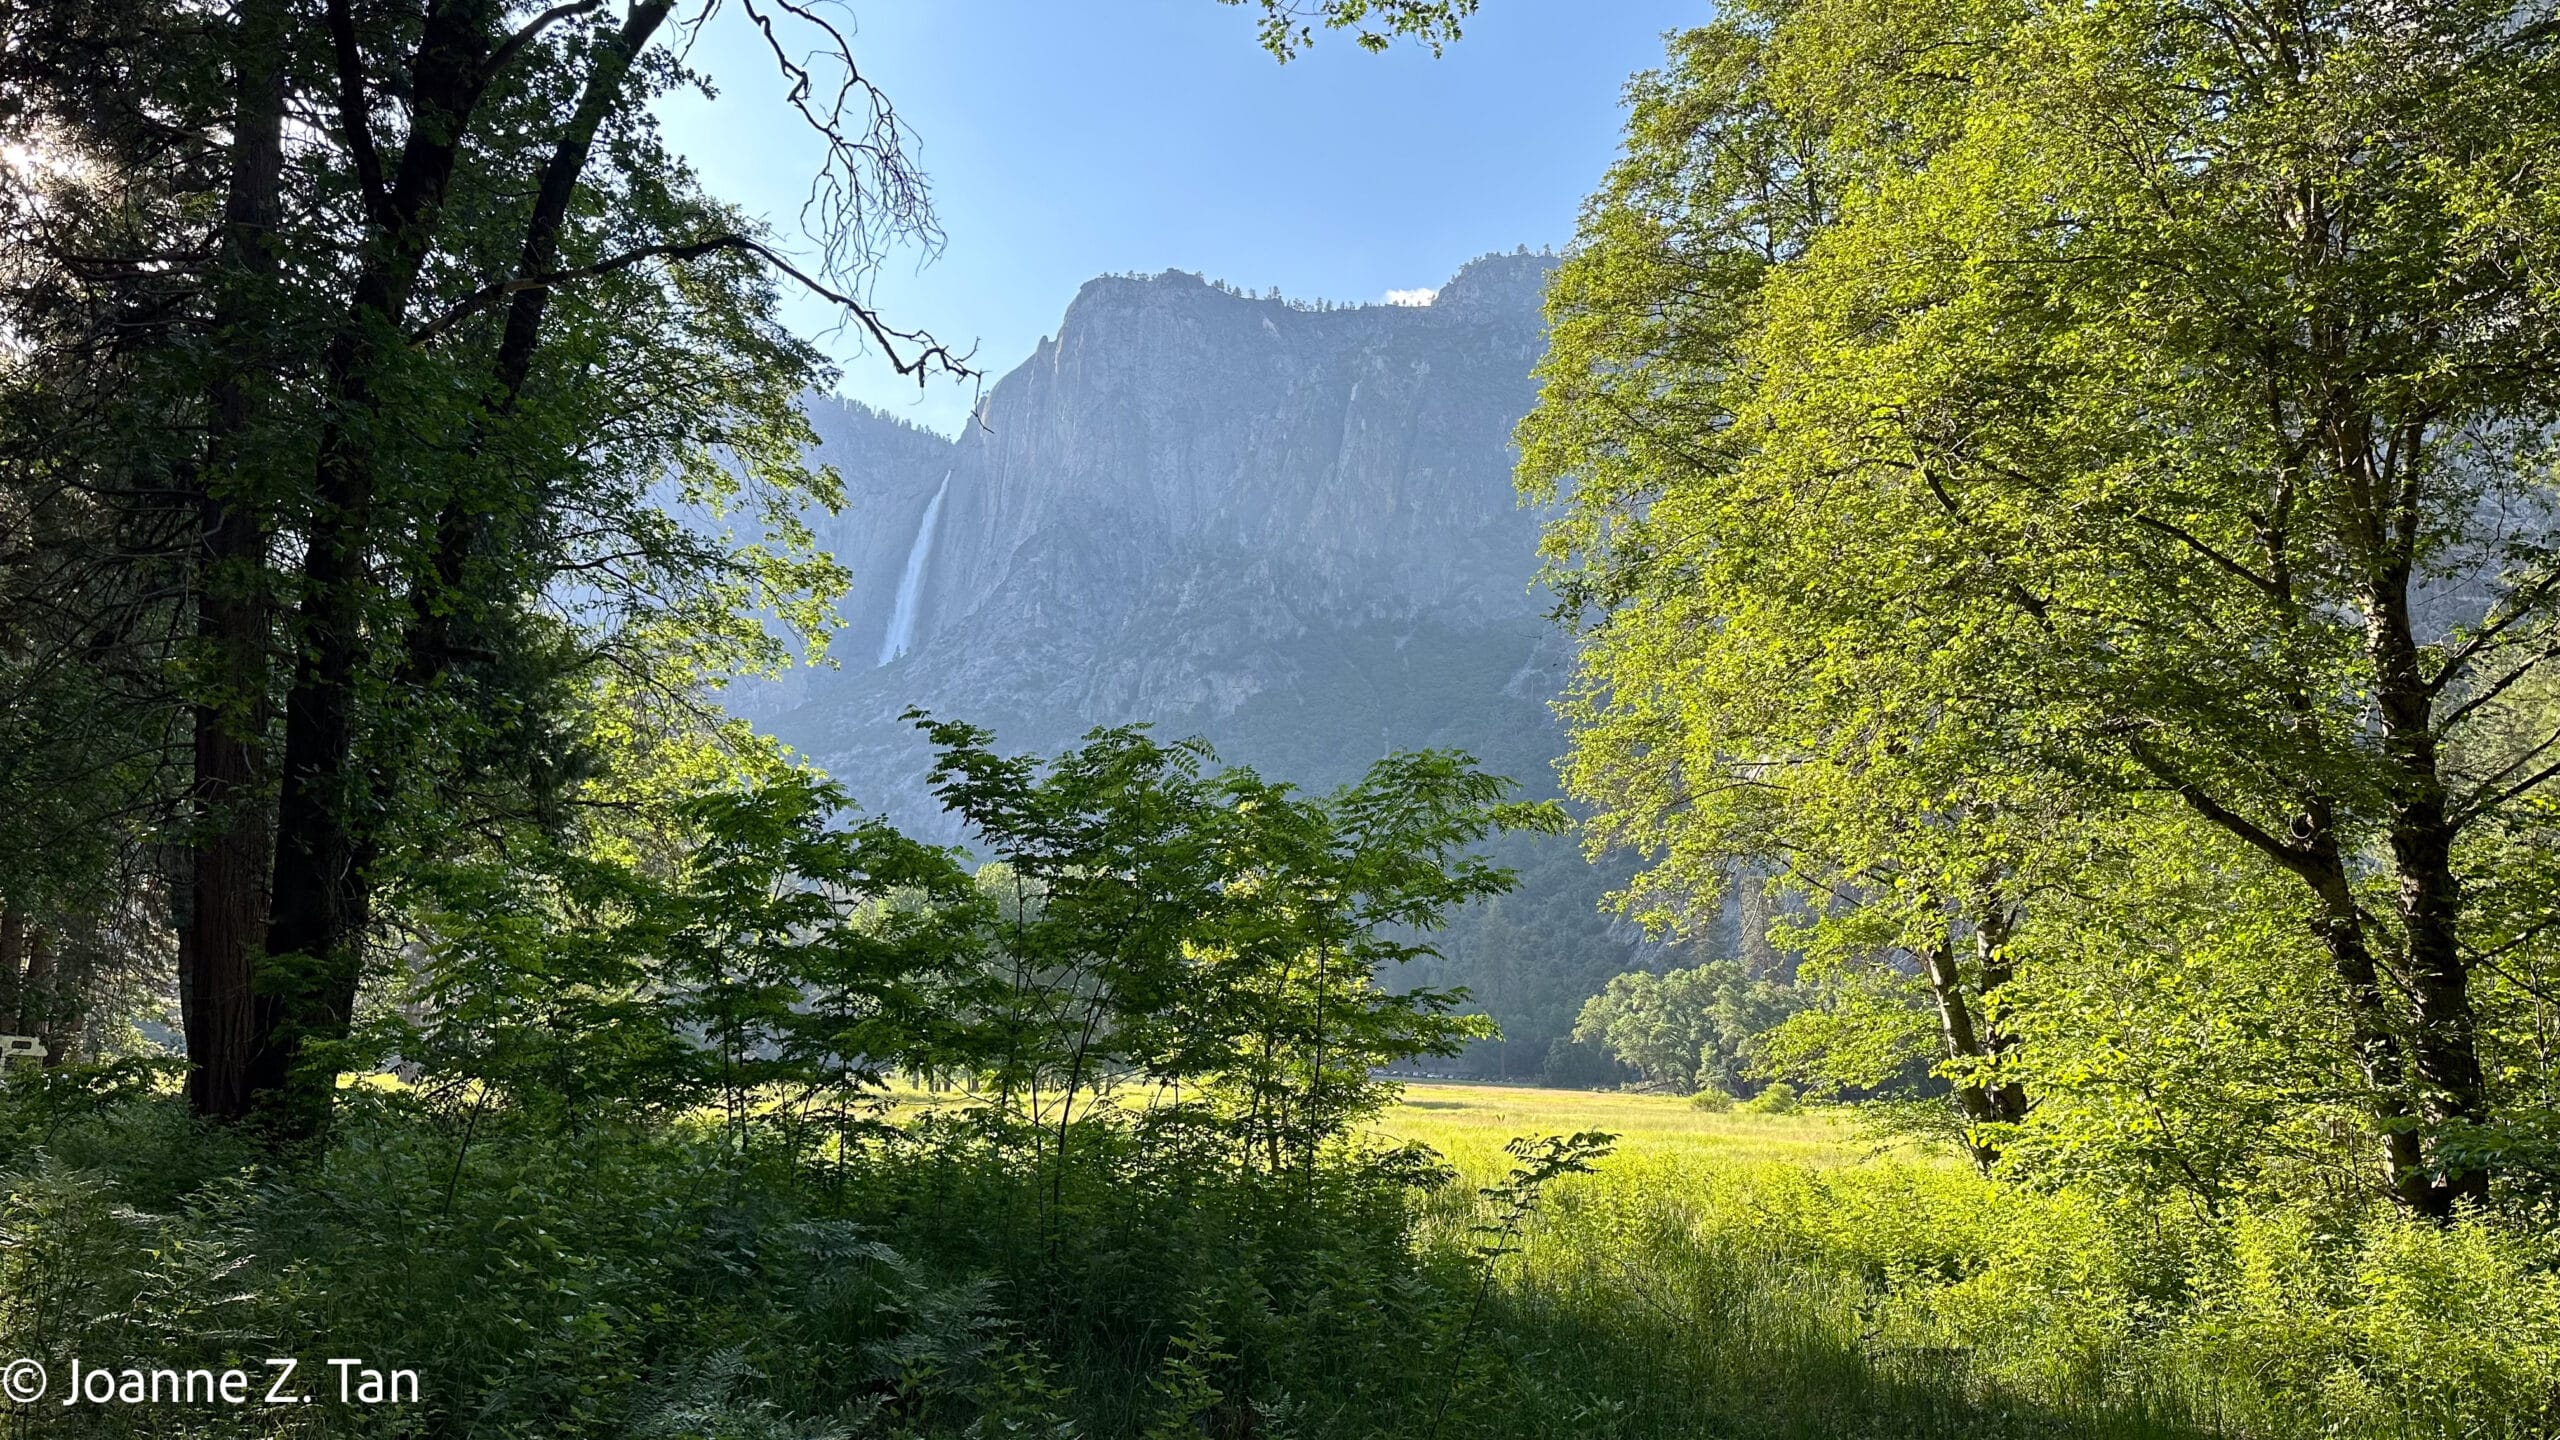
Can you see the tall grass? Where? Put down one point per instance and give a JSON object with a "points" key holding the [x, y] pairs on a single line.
{"points": [[1777, 1275], [1719, 1275]]}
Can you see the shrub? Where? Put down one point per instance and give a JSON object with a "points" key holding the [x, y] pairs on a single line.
{"points": [[1779, 1099]]}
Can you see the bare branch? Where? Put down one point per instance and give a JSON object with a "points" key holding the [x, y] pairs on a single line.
{"points": [[868, 193], [910, 352], [533, 28], [2484, 799]]}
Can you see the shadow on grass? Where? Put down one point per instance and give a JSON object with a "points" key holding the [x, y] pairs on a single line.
{"points": [[1602, 1364]]}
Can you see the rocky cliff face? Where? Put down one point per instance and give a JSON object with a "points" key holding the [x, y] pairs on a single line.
{"points": [[1191, 506], [1289, 529]]}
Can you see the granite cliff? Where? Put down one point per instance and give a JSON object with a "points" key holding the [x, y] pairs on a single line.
{"points": [[1290, 529]]}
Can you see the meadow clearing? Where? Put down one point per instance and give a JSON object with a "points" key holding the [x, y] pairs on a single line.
{"points": [[1795, 1276], [1468, 1123]]}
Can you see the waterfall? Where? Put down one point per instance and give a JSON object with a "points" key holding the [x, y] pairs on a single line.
{"points": [[902, 615]]}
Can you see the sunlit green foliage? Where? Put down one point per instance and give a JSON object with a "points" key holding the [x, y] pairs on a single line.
{"points": [[1687, 1029], [2069, 490]]}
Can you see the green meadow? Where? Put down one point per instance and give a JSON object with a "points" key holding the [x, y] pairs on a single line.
{"points": [[1470, 1123], [1797, 1275], [1710, 1275]]}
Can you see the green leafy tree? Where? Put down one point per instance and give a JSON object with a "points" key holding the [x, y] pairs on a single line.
{"points": [[784, 962], [1215, 940], [2011, 424], [407, 381], [1691, 1029]]}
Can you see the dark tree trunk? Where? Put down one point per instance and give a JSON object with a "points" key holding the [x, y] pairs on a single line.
{"points": [[2310, 851], [330, 818], [35, 995], [319, 900], [13, 949], [2445, 1043], [226, 906], [228, 896], [2444, 1039], [2369, 1030], [346, 843]]}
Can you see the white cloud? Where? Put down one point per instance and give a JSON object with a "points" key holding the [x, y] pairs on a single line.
{"points": [[1410, 297]]}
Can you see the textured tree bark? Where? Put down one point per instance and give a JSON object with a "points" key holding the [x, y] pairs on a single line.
{"points": [[35, 995], [318, 903], [1964, 1042], [2444, 1038], [227, 901], [1991, 933], [221, 948], [13, 949]]}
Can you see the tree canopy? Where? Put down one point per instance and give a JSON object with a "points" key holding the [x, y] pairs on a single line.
{"points": [[2010, 449], [402, 443]]}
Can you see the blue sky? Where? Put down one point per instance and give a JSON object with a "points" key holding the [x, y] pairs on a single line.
{"points": [[1069, 140]]}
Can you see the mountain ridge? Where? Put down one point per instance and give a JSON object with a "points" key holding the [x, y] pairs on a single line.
{"points": [[1289, 529]]}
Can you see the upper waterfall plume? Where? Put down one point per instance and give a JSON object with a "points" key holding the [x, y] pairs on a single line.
{"points": [[902, 614]]}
